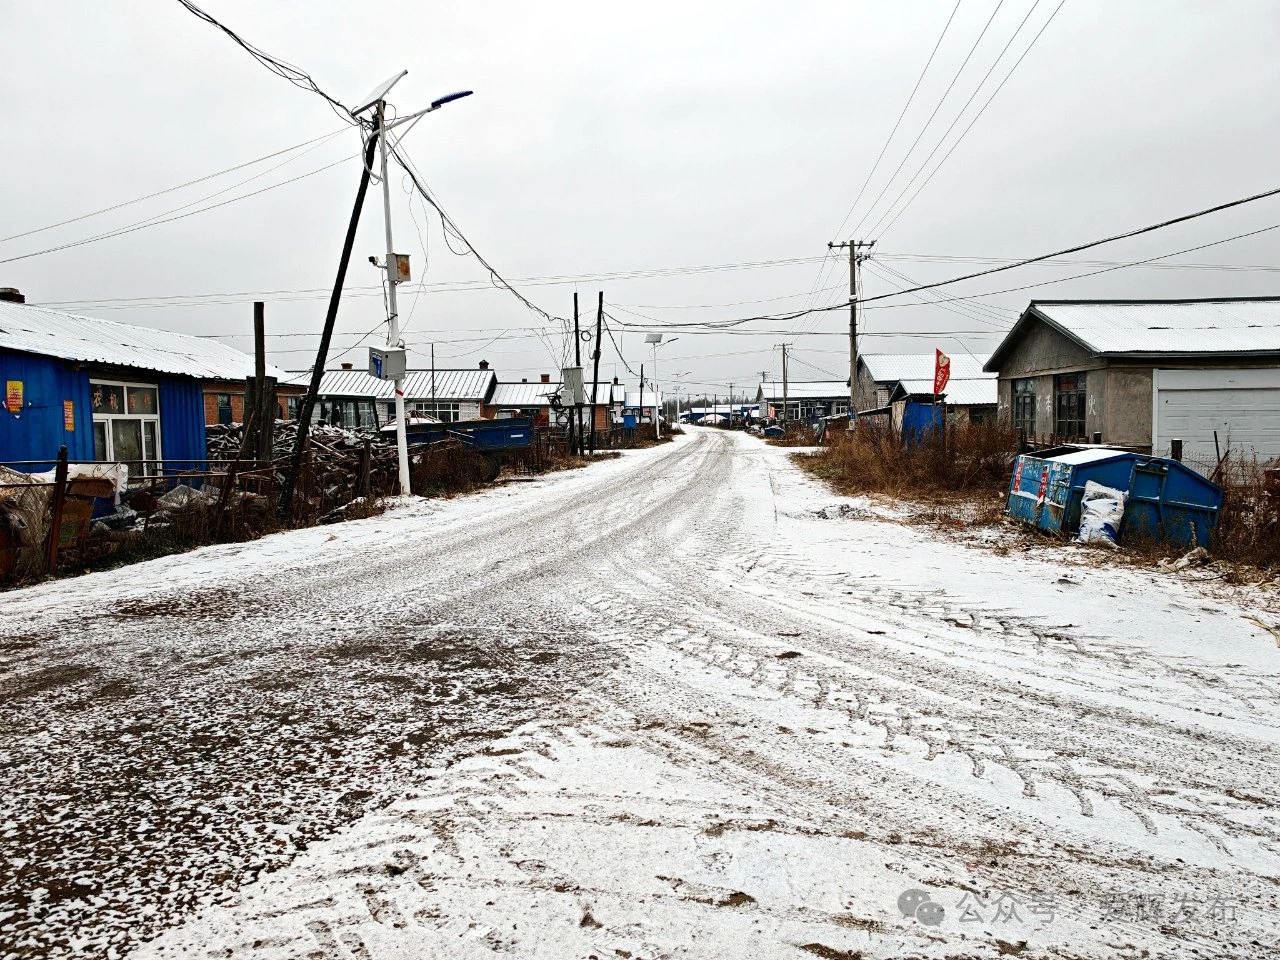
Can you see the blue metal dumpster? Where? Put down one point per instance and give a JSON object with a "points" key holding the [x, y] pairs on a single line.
{"points": [[499, 434], [1166, 500]]}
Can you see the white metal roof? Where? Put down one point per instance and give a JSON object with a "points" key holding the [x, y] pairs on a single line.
{"points": [[51, 333], [891, 367], [808, 389], [965, 391], [1165, 327], [471, 385], [520, 395], [634, 399]]}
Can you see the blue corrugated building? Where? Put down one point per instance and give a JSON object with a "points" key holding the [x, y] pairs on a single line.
{"points": [[107, 391]]}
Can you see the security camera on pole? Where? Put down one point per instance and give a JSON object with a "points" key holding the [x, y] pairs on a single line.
{"points": [[389, 364]]}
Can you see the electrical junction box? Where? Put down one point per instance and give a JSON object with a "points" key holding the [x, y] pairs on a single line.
{"points": [[387, 363], [572, 393], [398, 268]]}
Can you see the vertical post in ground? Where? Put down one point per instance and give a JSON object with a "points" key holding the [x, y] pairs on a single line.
{"points": [[322, 352], [56, 506]]}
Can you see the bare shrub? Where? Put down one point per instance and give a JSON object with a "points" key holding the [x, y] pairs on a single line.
{"points": [[965, 460], [447, 469], [1249, 524]]}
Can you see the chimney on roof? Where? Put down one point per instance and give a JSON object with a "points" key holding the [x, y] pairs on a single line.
{"points": [[348, 366], [546, 378], [484, 364], [524, 379], [12, 295], [615, 381]]}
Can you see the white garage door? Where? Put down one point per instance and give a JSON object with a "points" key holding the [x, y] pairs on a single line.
{"points": [[1243, 406]]}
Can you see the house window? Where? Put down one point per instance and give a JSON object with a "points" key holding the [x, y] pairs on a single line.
{"points": [[126, 421], [1068, 409], [224, 408], [1024, 406], [446, 411], [295, 404], [349, 414]]}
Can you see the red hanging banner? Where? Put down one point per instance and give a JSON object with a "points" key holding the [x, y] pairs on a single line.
{"points": [[941, 371]]}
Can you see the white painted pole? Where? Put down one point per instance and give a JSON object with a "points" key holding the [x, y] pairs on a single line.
{"points": [[657, 428], [393, 317]]}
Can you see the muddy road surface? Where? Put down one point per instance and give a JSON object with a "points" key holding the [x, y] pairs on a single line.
{"points": [[682, 704]]}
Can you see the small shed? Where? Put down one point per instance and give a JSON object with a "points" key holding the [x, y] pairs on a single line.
{"points": [[1166, 500]]}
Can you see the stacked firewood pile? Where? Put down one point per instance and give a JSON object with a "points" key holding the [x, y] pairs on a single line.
{"points": [[224, 442], [339, 466]]}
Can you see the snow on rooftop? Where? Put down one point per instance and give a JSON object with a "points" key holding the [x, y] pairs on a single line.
{"points": [[31, 329], [965, 392], [888, 367], [1206, 326]]}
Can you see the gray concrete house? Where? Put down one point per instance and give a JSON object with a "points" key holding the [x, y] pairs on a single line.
{"points": [[1143, 372]]}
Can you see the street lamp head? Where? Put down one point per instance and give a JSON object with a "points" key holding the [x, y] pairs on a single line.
{"points": [[449, 98]]}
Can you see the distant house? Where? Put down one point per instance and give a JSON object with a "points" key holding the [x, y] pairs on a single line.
{"points": [[353, 399], [970, 393], [640, 403], [535, 400], [224, 399], [726, 411], [525, 399], [107, 391], [1143, 372], [807, 400]]}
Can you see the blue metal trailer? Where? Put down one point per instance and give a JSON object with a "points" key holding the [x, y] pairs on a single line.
{"points": [[1167, 501], [501, 434]]}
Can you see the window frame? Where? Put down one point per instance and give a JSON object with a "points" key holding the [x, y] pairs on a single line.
{"points": [[452, 409], [109, 420], [1070, 406], [1022, 405]]}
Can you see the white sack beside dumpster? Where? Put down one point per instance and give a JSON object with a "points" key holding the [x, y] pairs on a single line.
{"points": [[1101, 510]]}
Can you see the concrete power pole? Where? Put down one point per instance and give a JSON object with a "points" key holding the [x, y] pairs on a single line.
{"points": [[393, 316], [858, 251], [785, 416]]}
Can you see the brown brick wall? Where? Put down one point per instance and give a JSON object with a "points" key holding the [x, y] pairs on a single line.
{"points": [[211, 391]]}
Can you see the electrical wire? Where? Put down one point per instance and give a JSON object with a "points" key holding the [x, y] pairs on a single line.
{"points": [[906, 106], [1109, 269], [323, 293], [941, 100], [160, 219], [819, 279], [295, 75], [976, 117], [1043, 257], [173, 189], [875, 227]]}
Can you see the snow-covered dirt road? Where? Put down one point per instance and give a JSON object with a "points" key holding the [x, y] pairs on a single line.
{"points": [[684, 704]]}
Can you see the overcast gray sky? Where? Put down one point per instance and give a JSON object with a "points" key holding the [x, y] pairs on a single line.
{"points": [[608, 139]]}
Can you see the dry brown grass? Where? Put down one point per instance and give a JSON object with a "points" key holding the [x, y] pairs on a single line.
{"points": [[972, 461], [449, 469], [1249, 525], [963, 482], [796, 435]]}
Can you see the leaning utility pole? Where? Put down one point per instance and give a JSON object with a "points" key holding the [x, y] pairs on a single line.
{"points": [[595, 367], [322, 352], [856, 256]]}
